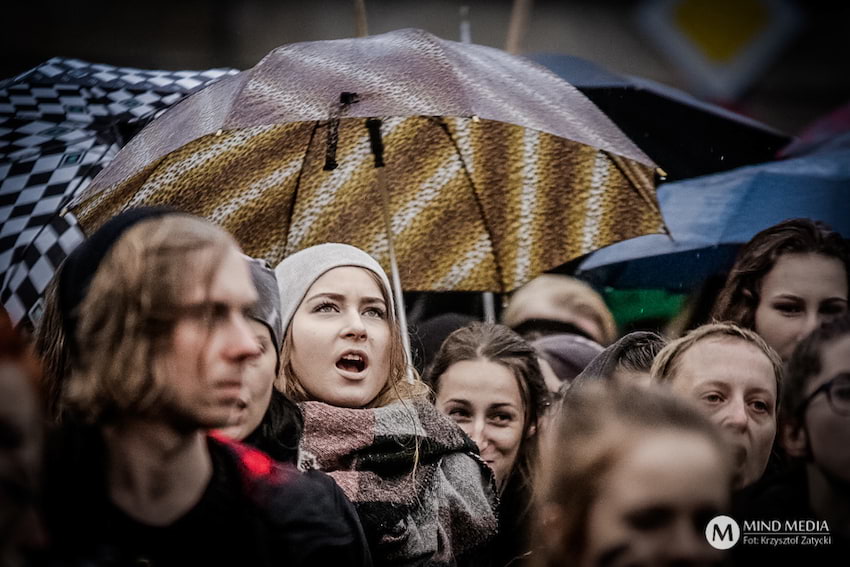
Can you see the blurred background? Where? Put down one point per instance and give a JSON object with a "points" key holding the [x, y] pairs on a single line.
{"points": [[781, 62]]}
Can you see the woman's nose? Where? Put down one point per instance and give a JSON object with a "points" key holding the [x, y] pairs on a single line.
{"points": [[478, 434], [735, 416], [353, 326], [687, 546], [812, 322]]}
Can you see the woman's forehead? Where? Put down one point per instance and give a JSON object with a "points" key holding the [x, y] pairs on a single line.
{"points": [[347, 280]]}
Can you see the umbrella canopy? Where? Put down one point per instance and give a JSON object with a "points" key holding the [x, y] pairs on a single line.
{"points": [[60, 123], [710, 217], [828, 131], [496, 169], [686, 136]]}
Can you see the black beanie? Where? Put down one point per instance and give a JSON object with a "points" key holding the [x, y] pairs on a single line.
{"points": [[81, 265]]}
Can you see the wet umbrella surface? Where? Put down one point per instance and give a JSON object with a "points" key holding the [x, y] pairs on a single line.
{"points": [[495, 169]]}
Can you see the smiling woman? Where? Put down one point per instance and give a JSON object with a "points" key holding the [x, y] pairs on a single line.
{"points": [[421, 493], [488, 380]]}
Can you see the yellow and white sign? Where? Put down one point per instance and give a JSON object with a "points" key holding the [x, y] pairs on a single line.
{"points": [[720, 46]]}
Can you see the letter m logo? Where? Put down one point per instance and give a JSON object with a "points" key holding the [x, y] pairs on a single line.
{"points": [[722, 534]]}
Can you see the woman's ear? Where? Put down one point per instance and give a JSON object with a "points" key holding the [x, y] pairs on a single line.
{"points": [[794, 439]]}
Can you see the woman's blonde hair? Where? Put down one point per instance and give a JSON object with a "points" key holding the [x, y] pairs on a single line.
{"points": [[667, 360], [130, 309], [398, 385]]}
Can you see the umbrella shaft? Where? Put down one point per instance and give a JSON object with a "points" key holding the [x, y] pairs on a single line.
{"points": [[401, 315]]}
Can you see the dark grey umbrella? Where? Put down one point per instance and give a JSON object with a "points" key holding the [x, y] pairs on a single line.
{"points": [[684, 135]]}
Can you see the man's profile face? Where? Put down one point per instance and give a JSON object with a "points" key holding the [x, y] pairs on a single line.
{"points": [[203, 363], [733, 382]]}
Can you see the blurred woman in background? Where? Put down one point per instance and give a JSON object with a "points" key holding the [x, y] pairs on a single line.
{"points": [[21, 445], [265, 418], [787, 280], [556, 303], [629, 476]]}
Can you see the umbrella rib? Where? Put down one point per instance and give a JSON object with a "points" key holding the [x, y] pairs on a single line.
{"points": [[298, 184], [477, 199]]}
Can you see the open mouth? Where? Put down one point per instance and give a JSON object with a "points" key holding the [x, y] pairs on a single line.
{"points": [[355, 362]]}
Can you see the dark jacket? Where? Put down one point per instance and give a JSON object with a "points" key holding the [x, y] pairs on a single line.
{"points": [[784, 497], [254, 512]]}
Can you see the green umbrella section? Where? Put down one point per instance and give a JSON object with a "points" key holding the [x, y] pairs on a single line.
{"points": [[643, 309]]}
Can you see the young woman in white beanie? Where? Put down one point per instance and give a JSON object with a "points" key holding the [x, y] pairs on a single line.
{"points": [[423, 494]]}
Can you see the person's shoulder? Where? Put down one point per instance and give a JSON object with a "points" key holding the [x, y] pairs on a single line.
{"points": [[309, 517]]}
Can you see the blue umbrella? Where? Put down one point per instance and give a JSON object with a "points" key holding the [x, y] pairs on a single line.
{"points": [[710, 217]]}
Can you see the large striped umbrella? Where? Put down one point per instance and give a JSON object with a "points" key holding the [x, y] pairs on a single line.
{"points": [[495, 169]]}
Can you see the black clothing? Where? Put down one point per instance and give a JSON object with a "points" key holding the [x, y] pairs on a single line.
{"points": [[783, 496], [253, 512]]}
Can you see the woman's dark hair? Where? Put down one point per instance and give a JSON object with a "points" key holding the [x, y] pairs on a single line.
{"points": [[279, 432], [634, 352], [805, 362], [499, 344], [739, 298]]}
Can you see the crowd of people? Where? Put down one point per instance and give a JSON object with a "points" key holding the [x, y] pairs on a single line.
{"points": [[181, 403]]}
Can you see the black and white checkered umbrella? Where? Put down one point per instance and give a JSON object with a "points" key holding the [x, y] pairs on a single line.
{"points": [[60, 124]]}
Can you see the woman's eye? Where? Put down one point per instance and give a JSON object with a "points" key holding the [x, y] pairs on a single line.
{"points": [[325, 307], [219, 312], [712, 398], [788, 308], [650, 519], [501, 418], [458, 414], [760, 406], [833, 309], [841, 388], [376, 312]]}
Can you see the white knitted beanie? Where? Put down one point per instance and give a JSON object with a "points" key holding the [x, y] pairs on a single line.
{"points": [[296, 273]]}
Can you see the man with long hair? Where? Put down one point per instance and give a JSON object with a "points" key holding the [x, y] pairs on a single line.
{"points": [[155, 307]]}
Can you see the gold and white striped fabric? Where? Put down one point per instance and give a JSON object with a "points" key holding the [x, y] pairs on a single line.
{"points": [[479, 199]]}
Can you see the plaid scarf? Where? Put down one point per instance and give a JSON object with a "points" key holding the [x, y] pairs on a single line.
{"points": [[438, 512]]}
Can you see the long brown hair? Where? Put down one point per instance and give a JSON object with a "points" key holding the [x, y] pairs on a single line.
{"points": [[501, 345], [740, 296], [51, 346], [130, 310]]}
